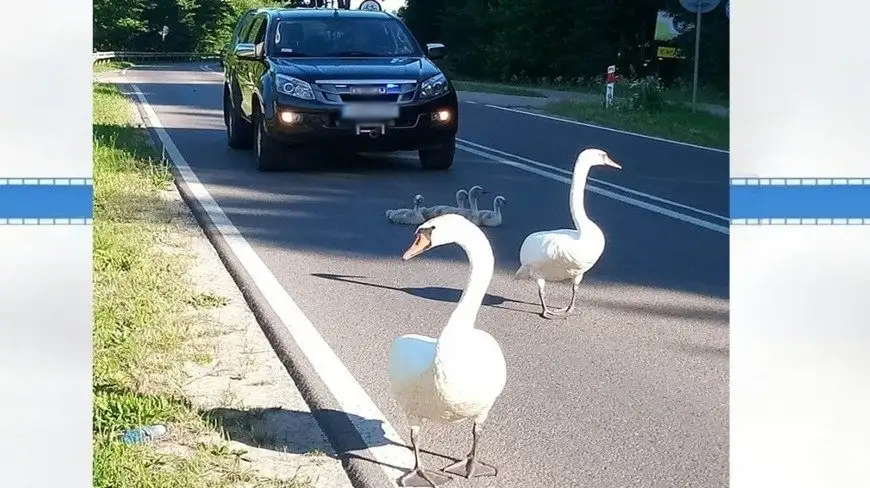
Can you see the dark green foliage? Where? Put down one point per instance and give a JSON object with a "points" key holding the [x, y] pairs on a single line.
{"points": [[562, 41], [194, 25], [559, 42]]}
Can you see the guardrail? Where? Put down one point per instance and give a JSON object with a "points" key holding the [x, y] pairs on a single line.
{"points": [[104, 56]]}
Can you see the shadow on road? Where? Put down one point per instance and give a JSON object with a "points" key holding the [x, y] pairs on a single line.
{"points": [[276, 429], [292, 431], [436, 293], [708, 313]]}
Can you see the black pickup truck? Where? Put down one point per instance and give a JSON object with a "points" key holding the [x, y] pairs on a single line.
{"points": [[349, 80]]}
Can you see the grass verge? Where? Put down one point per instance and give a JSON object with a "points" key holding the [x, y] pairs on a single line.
{"points": [[111, 66], [474, 86], [595, 88], [673, 122], [145, 323]]}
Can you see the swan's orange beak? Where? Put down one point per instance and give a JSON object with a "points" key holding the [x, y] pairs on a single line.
{"points": [[420, 245]]}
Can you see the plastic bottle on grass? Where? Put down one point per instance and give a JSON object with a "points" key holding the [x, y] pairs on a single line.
{"points": [[141, 435]]}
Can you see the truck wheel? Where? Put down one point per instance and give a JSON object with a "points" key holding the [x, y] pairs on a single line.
{"points": [[438, 159], [269, 151], [239, 130]]}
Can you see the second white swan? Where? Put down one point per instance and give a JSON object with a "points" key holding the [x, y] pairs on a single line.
{"points": [[566, 254]]}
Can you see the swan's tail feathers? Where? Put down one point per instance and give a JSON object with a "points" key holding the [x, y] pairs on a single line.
{"points": [[523, 273]]}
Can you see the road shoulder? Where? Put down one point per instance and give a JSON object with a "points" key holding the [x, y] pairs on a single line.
{"points": [[235, 381], [245, 388]]}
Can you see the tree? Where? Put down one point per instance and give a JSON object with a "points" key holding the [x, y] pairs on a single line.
{"points": [[194, 25], [117, 23], [560, 40]]}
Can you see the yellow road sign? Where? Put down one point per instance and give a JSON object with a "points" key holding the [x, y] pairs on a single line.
{"points": [[668, 52]]}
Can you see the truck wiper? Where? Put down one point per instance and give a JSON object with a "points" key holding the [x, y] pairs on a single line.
{"points": [[355, 54], [295, 55]]}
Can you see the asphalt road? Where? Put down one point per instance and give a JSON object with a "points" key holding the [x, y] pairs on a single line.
{"points": [[631, 392]]}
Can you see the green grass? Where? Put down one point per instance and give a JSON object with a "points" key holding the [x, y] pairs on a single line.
{"points": [[474, 86], [622, 89], [145, 323], [673, 122], [207, 300], [111, 66], [674, 94]]}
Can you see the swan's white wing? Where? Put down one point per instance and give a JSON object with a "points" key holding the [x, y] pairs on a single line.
{"points": [[565, 250], [410, 357], [471, 374], [552, 255], [548, 246]]}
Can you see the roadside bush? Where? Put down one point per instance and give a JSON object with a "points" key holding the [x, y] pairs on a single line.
{"points": [[647, 95]]}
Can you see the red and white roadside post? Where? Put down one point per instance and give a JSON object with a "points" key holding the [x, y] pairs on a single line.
{"points": [[610, 82]]}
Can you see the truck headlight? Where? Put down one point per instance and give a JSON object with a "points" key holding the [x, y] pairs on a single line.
{"points": [[294, 87], [434, 86]]}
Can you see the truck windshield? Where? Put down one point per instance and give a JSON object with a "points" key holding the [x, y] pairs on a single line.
{"points": [[343, 37]]}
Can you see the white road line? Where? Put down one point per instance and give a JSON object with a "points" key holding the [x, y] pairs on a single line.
{"points": [[204, 67], [600, 182], [594, 189], [160, 66], [340, 382], [609, 129]]}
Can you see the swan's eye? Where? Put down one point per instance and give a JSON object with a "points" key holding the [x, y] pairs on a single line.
{"points": [[426, 232]]}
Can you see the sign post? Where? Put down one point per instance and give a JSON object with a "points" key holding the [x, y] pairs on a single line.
{"points": [[610, 83], [697, 57], [697, 7], [163, 32]]}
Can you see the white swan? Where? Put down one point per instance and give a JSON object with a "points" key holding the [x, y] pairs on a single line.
{"points": [[492, 218], [435, 211], [473, 212], [460, 374], [558, 255], [410, 216]]}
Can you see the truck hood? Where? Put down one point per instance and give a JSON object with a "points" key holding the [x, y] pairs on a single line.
{"points": [[311, 69]]}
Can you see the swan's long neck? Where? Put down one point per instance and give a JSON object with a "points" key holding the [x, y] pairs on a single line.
{"points": [[460, 199], [578, 196], [473, 202], [481, 263]]}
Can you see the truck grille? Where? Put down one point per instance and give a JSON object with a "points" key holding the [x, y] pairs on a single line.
{"points": [[369, 98], [395, 91]]}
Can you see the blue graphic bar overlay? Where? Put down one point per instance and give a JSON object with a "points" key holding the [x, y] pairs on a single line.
{"points": [[46, 201], [801, 201]]}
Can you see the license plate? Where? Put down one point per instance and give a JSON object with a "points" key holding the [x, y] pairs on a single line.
{"points": [[370, 111], [367, 90]]}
